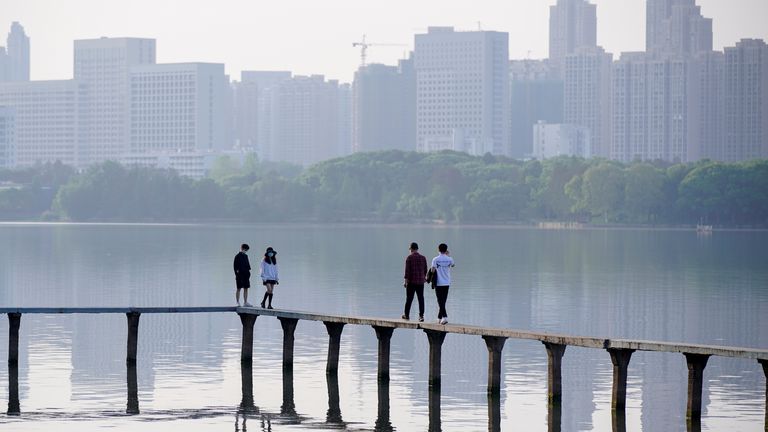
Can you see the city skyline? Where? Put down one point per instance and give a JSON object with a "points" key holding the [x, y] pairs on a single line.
{"points": [[258, 39]]}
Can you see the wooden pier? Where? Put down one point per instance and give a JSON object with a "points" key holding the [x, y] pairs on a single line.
{"points": [[620, 351]]}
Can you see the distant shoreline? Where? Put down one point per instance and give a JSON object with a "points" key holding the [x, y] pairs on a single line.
{"points": [[425, 224]]}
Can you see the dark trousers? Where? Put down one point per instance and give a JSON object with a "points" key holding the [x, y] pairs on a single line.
{"points": [[442, 295], [410, 290]]}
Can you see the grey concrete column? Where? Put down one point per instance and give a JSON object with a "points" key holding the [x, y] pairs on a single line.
{"points": [[133, 337], [132, 407], [494, 344], [436, 339], [764, 363], [289, 327], [246, 349], [494, 412], [696, 365], [384, 335], [334, 344], [14, 321], [620, 359], [555, 354], [14, 407]]}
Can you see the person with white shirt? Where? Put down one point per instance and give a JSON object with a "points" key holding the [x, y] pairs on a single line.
{"points": [[269, 275], [442, 265]]}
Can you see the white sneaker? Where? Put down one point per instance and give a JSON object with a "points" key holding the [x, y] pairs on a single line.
{"points": [[246, 304], [444, 321]]}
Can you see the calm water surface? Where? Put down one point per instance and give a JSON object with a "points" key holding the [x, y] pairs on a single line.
{"points": [[659, 285]]}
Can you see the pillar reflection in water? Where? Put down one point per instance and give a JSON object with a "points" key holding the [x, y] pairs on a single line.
{"points": [[383, 423], [434, 409], [14, 407], [494, 412], [247, 407], [619, 420], [334, 410], [554, 417], [288, 408], [133, 390]]}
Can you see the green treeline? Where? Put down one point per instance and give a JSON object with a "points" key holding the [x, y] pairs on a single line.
{"points": [[396, 186]]}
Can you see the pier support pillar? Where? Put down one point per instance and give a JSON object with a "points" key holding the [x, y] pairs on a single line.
{"points": [[246, 349], [764, 363], [14, 321], [555, 354], [494, 344], [436, 339], [133, 337], [384, 335], [289, 327], [696, 365], [620, 359], [334, 344]]}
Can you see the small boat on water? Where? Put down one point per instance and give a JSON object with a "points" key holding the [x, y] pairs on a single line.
{"points": [[704, 229]]}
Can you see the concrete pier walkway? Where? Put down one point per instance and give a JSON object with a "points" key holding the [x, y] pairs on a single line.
{"points": [[620, 350]]}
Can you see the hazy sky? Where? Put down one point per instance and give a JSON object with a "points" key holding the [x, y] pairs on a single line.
{"points": [[315, 36]]}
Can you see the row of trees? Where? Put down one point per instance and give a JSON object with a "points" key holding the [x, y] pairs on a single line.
{"points": [[396, 186]]}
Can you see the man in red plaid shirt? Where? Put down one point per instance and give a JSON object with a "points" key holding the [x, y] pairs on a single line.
{"points": [[415, 276]]}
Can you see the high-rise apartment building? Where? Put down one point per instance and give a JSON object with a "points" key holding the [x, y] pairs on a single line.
{"points": [[536, 94], [104, 67], [587, 98], [656, 108], [45, 121], [344, 121], [572, 25], [462, 91], [7, 138], [247, 94], [299, 120], [746, 101], [677, 27], [179, 108], [384, 107]]}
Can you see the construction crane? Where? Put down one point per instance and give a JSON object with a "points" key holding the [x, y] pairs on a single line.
{"points": [[364, 48]]}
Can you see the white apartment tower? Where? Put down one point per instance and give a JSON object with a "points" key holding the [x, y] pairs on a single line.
{"points": [[462, 91], [45, 121], [656, 108], [104, 67], [179, 108], [299, 120], [677, 27], [572, 25], [247, 94], [552, 140], [587, 99], [746, 101]]}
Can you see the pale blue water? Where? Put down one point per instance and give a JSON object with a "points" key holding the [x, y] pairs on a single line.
{"points": [[661, 285]]}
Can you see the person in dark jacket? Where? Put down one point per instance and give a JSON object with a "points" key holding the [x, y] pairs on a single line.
{"points": [[242, 274], [413, 280]]}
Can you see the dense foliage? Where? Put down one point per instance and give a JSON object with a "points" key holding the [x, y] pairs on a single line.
{"points": [[395, 186]]}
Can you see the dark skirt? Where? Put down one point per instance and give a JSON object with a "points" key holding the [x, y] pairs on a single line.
{"points": [[269, 281]]}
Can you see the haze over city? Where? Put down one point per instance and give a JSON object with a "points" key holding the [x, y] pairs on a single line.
{"points": [[313, 37]]}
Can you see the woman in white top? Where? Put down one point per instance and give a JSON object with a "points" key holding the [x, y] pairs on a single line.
{"points": [[269, 276]]}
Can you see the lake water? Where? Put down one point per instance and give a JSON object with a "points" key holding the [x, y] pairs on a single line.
{"points": [[644, 284]]}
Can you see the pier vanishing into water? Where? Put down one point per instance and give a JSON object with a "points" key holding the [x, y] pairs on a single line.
{"points": [[620, 351]]}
